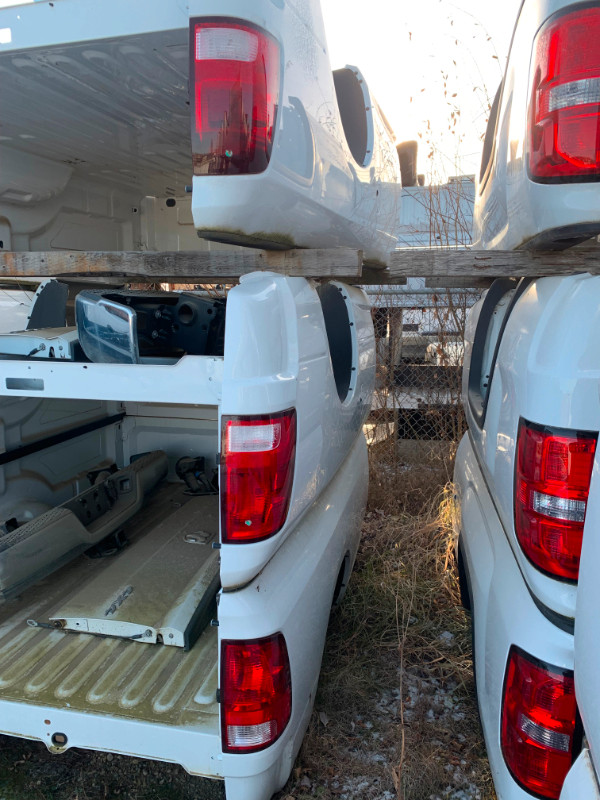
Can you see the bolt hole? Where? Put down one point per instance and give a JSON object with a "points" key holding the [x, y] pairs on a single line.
{"points": [[186, 314]]}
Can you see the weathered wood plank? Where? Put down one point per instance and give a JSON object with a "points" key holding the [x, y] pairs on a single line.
{"points": [[183, 267], [474, 282], [470, 264], [442, 268]]}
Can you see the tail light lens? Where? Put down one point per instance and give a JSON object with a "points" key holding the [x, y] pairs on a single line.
{"points": [[256, 693], [538, 723], [257, 473], [564, 136], [553, 476], [234, 88]]}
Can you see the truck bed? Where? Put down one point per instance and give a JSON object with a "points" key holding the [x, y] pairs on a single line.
{"points": [[121, 678], [109, 82]]}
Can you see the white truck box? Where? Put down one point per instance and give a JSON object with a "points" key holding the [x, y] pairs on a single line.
{"points": [[138, 651], [83, 678], [104, 105]]}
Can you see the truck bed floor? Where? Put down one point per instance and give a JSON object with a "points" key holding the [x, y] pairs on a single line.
{"points": [[113, 676]]}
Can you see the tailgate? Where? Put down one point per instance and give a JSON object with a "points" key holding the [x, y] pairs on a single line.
{"points": [[111, 676]]}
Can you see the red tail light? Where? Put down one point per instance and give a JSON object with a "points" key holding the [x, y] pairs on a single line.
{"points": [[234, 94], [553, 475], [538, 723], [564, 136], [257, 472], [256, 693]]}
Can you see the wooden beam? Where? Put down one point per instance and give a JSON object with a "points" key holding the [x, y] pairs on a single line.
{"points": [[441, 268], [474, 282], [222, 266], [471, 265]]}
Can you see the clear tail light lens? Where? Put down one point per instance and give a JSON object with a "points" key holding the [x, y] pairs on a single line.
{"points": [[553, 474], [538, 723], [234, 96], [564, 132], [256, 693], [257, 473]]}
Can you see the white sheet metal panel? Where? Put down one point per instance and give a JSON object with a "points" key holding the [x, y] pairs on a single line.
{"points": [[15, 308], [510, 208], [547, 372], [319, 194], [193, 379], [505, 613], [587, 625], [277, 357], [581, 782]]}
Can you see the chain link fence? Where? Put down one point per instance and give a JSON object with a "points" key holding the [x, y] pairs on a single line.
{"points": [[417, 417]]}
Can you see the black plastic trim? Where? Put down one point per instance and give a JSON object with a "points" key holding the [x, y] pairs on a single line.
{"points": [[495, 293], [201, 618], [58, 438], [489, 144], [566, 624], [564, 237]]}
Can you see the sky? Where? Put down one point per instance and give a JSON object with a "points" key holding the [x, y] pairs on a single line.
{"points": [[427, 61]]}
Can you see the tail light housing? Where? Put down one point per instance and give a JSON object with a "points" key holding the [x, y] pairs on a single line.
{"points": [[256, 693], [234, 96], [257, 473], [553, 474], [564, 123], [538, 726]]}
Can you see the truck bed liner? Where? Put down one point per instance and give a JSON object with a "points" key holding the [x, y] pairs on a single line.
{"points": [[108, 675]]}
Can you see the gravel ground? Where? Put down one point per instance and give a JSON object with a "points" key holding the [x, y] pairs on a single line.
{"points": [[29, 772]]}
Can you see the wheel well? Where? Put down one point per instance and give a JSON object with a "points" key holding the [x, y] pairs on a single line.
{"points": [[463, 579]]}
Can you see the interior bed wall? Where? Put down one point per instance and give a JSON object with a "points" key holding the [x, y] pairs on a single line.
{"points": [[37, 482], [43, 209], [34, 483], [179, 430]]}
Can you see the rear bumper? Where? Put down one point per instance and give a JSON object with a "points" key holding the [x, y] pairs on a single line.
{"points": [[503, 609]]}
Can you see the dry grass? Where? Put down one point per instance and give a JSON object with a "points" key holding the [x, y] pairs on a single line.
{"points": [[395, 715]]}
